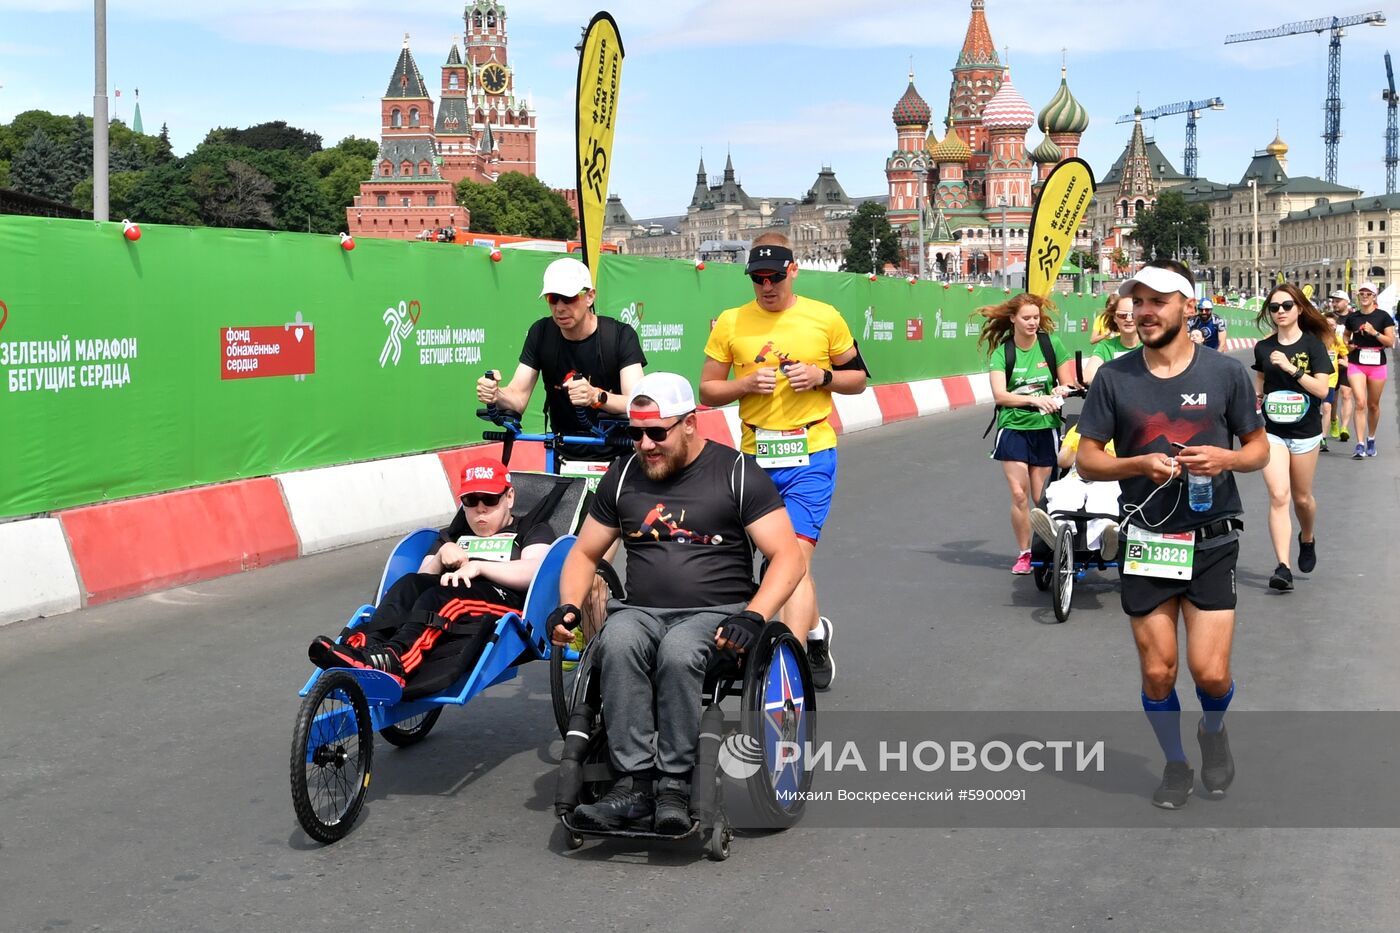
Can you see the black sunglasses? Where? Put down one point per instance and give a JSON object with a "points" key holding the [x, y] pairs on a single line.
{"points": [[759, 278], [472, 499], [554, 298], [1276, 306], [657, 434]]}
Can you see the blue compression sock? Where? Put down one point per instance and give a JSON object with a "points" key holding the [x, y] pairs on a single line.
{"points": [[1213, 708], [1165, 718]]}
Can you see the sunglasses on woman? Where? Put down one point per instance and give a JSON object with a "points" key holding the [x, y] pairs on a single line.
{"points": [[657, 434], [472, 499], [1276, 306]]}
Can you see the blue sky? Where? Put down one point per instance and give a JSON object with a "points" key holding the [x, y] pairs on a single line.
{"points": [[808, 82]]}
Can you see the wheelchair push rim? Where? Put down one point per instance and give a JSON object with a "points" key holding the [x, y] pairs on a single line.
{"points": [[778, 696], [332, 749]]}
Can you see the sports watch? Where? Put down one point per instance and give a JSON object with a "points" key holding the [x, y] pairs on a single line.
{"points": [[601, 400]]}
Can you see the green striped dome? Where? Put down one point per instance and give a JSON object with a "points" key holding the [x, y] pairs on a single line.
{"points": [[1064, 114], [1047, 152]]}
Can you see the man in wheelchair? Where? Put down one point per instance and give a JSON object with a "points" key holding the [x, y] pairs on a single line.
{"points": [[489, 560], [690, 594], [1072, 493]]}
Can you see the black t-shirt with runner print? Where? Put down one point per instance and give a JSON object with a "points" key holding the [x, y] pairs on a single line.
{"points": [[1377, 319], [1290, 411], [686, 538], [600, 358], [1210, 403]]}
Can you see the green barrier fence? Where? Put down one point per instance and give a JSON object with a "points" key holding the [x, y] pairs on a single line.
{"points": [[199, 355]]}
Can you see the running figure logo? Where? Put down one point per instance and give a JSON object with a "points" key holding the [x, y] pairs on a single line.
{"points": [[400, 322], [769, 348], [659, 519]]}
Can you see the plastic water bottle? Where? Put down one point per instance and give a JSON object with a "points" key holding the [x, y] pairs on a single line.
{"points": [[1199, 492]]}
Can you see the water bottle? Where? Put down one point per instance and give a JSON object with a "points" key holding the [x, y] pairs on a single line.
{"points": [[1199, 492]]}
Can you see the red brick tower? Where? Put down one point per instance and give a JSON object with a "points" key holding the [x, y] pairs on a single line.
{"points": [[906, 169], [492, 101], [976, 79]]}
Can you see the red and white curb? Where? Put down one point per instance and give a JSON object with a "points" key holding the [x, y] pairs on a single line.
{"points": [[99, 553]]}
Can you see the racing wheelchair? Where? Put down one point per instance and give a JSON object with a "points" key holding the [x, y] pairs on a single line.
{"points": [[765, 750]]}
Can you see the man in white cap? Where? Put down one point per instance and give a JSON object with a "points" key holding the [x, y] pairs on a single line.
{"points": [[589, 363], [1170, 410], [1207, 329], [689, 512], [1370, 332]]}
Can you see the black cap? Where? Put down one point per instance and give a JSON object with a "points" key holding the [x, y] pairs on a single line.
{"points": [[768, 258]]}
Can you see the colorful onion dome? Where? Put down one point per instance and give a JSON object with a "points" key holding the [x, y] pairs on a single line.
{"points": [[951, 149], [1047, 152], [1064, 114], [911, 110], [1007, 109]]}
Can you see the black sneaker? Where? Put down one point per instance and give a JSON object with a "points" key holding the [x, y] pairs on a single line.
{"points": [[1344, 436], [1217, 764], [1307, 554], [1282, 580], [672, 807], [1177, 780], [629, 802], [819, 658], [325, 653]]}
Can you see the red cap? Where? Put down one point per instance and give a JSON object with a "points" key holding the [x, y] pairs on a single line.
{"points": [[484, 474]]}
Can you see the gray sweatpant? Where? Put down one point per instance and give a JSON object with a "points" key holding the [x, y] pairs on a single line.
{"points": [[653, 669]]}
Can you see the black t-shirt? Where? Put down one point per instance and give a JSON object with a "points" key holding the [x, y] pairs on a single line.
{"points": [[600, 358], [1285, 414], [1377, 319], [1211, 403], [686, 537], [460, 528]]}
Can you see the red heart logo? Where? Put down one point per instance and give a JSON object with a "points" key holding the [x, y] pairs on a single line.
{"points": [[415, 310], [4, 315]]}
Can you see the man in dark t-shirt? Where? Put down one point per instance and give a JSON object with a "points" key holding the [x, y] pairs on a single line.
{"points": [[489, 562], [589, 363], [1207, 329], [690, 512], [1170, 410]]}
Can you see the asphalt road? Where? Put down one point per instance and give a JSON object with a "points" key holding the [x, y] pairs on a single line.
{"points": [[143, 747]]}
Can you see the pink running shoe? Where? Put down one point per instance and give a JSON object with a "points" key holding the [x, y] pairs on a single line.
{"points": [[1023, 563]]}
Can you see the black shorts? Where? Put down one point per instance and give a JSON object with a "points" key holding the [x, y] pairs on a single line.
{"points": [[1033, 448], [1211, 587]]}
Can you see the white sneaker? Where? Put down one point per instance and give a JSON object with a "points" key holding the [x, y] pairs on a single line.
{"points": [[1109, 550], [1044, 526]]}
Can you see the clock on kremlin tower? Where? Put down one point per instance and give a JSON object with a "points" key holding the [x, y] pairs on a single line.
{"points": [[479, 129]]}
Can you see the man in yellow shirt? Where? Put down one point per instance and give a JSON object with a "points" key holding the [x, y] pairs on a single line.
{"points": [[788, 355]]}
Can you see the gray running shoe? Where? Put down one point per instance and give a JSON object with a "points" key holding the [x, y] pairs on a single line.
{"points": [[1043, 526], [1177, 781], [1217, 764], [672, 807], [1109, 550]]}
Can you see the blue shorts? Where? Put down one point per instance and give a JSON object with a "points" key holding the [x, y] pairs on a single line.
{"points": [[1038, 448], [807, 492]]}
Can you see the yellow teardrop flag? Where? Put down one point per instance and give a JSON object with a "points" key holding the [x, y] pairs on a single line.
{"points": [[1308, 291], [599, 77], [1063, 200]]}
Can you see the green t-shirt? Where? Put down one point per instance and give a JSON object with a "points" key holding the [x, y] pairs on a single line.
{"points": [[1112, 348], [1031, 376]]}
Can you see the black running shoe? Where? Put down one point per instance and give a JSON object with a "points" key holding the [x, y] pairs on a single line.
{"points": [[819, 658], [1307, 553], [1217, 764], [672, 807], [1344, 436], [629, 803], [1282, 580], [1177, 780], [325, 653]]}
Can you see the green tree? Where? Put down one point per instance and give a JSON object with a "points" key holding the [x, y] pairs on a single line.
{"points": [[341, 170], [868, 224], [4, 173], [1172, 226], [355, 146], [162, 195], [276, 135], [163, 152], [120, 188], [37, 168], [233, 194], [517, 205]]}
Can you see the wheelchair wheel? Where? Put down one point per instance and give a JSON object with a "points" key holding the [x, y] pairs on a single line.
{"points": [[777, 699], [332, 746], [606, 586], [1062, 572], [717, 842], [412, 730]]}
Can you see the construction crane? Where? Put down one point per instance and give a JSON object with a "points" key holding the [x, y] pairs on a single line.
{"points": [[1332, 121], [1192, 109], [1391, 134]]}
